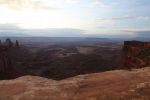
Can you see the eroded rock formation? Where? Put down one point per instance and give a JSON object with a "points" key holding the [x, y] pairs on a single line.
{"points": [[8, 42], [5, 62], [17, 44], [136, 54], [7, 70]]}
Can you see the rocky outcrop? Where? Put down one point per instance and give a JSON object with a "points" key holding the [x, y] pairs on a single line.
{"points": [[136, 54], [7, 69], [112, 85], [8, 42], [17, 44], [5, 61], [0, 42]]}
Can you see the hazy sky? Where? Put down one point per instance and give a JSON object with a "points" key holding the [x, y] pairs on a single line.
{"points": [[74, 17]]}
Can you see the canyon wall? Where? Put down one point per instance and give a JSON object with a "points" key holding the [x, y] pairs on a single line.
{"points": [[136, 54]]}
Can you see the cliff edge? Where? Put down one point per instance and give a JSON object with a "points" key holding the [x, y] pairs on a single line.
{"points": [[112, 85], [136, 54]]}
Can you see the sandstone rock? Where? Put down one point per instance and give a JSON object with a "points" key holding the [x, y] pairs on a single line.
{"points": [[112, 85], [136, 54]]}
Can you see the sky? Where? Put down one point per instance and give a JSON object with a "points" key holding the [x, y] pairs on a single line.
{"points": [[75, 18]]}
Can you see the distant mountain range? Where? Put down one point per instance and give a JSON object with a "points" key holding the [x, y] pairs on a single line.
{"points": [[12, 34], [140, 36]]}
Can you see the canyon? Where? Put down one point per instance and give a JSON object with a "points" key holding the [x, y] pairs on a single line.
{"points": [[127, 82]]}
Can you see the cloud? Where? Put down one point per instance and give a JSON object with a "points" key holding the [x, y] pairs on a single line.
{"points": [[23, 4], [106, 21], [137, 32], [14, 30], [99, 3], [4, 27], [116, 19], [143, 34], [73, 1]]}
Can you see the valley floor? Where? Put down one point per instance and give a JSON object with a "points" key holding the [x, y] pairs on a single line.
{"points": [[111, 85]]}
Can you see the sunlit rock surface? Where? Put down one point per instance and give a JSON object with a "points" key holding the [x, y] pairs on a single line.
{"points": [[111, 85]]}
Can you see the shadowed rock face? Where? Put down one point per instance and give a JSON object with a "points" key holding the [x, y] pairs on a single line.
{"points": [[136, 54], [5, 62], [8, 42], [7, 70]]}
